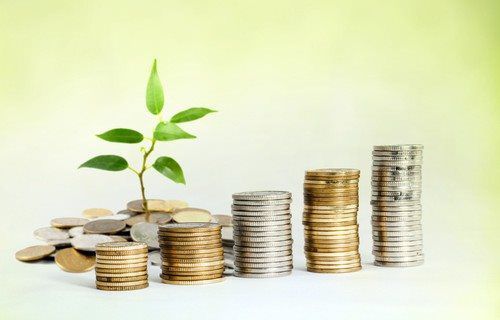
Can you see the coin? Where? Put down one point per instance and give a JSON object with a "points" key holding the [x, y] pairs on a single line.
{"points": [[147, 233], [93, 213], [88, 242], [237, 219], [338, 172], [121, 257], [191, 215], [197, 282], [50, 233], [153, 205], [172, 205], [59, 243], [223, 219], [75, 231], [189, 227], [262, 239], [260, 213], [190, 278], [240, 270], [399, 264], [118, 239], [122, 261], [120, 247], [66, 223], [119, 275], [118, 216], [34, 253], [263, 234], [260, 208], [262, 195], [104, 226], [344, 270], [121, 271], [127, 288], [122, 279], [154, 217], [70, 260]]}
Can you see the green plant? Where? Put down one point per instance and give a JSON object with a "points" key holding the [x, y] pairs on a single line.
{"points": [[163, 131]]}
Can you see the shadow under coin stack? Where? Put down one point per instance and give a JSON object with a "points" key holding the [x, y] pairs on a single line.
{"points": [[121, 266], [330, 220], [191, 253], [396, 217], [262, 234]]}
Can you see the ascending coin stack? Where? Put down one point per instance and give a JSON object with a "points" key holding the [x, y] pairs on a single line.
{"points": [[262, 234], [330, 220], [191, 253], [397, 212], [121, 266]]}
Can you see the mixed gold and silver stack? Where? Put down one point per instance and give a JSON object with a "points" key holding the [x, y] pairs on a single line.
{"points": [[121, 266], [397, 211], [330, 220], [262, 234], [191, 253]]}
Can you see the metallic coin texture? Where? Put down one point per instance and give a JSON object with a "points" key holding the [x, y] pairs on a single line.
{"points": [[71, 260], [88, 242], [105, 226], [93, 213], [191, 215], [66, 223], [147, 233], [35, 253], [50, 233]]}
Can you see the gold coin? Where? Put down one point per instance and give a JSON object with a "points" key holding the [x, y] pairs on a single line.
{"points": [[334, 266], [190, 227], [120, 266], [192, 239], [172, 205], [191, 256], [121, 284], [34, 253], [154, 217], [118, 239], [182, 251], [192, 268], [121, 275], [104, 226], [122, 257], [319, 263], [194, 272], [71, 260], [193, 260], [120, 247], [119, 254], [312, 240], [329, 224], [188, 235], [330, 249], [333, 172], [93, 213], [66, 223], [198, 282], [130, 261], [217, 263], [330, 228], [334, 260], [102, 271], [191, 215], [121, 279], [332, 220], [190, 278], [341, 233], [153, 205], [191, 244], [136, 287], [331, 254], [345, 270]]}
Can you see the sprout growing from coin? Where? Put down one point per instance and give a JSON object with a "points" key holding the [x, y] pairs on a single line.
{"points": [[165, 130]]}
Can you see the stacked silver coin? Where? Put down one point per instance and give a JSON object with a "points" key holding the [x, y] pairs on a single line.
{"points": [[262, 234], [397, 211]]}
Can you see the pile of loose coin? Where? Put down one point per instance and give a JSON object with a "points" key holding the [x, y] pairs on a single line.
{"points": [[191, 253], [397, 212], [262, 234], [121, 266], [330, 220]]}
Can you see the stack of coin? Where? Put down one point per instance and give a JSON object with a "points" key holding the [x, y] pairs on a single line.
{"points": [[121, 266], [262, 234], [330, 220], [397, 212], [191, 253]]}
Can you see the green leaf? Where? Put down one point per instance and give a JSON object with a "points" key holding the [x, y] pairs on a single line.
{"points": [[122, 135], [191, 114], [106, 162], [170, 169], [167, 131], [154, 92]]}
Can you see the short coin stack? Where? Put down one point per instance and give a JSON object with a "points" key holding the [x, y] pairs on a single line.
{"points": [[121, 266], [330, 220], [191, 253], [397, 212], [262, 234]]}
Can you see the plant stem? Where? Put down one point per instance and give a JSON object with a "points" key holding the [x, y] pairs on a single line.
{"points": [[141, 177]]}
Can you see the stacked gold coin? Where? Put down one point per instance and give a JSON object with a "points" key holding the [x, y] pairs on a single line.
{"points": [[330, 220], [191, 253], [121, 266]]}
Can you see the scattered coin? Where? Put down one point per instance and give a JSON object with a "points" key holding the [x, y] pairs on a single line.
{"points": [[118, 216], [147, 233], [154, 217], [70, 260], [34, 253], [191, 215], [66, 223], [172, 205], [50, 233], [153, 205], [118, 239], [88, 242], [105, 226], [75, 231], [93, 213]]}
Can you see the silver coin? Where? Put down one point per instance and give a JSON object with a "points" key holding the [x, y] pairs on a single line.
{"points": [[399, 178], [398, 158], [262, 228], [237, 213], [400, 259], [396, 199], [237, 219], [263, 234], [261, 239], [246, 265], [396, 213], [398, 249], [397, 254], [75, 231], [50, 233], [155, 258], [398, 208], [261, 223], [390, 224], [396, 168], [262, 202], [397, 229], [262, 275], [269, 244], [398, 184], [398, 147], [229, 263], [62, 243], [399, 264], [397, 239], [416, 217], [404, 203], [397, 153], [146, 232], [223, 219], [263, 255], [410, 193], [379, 174], [238, 249], [397, 234], [87, 242], [117, 216], [263, 270], [397, 243], [227, 233], [262, 195], [260, 208]]}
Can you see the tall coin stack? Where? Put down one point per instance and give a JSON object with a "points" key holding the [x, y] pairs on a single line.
{"points": [[191, 253], [397, 212], [330, 220], [262, 234], [121, 266]]}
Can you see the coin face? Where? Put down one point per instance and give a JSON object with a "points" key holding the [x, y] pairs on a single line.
{"points": [[88, 242], [70, 260], [34, 253], [93, 213], [50, 233], [172, 205], [118, 216], [66, 223], [105, 226], [147, 233], [154, 217], [191, 215]]}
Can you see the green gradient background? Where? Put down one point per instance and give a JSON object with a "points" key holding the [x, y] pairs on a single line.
{"points": [[298, 84]]}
